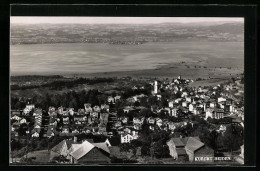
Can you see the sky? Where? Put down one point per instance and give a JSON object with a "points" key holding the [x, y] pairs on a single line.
{"points": [[118, 20]]}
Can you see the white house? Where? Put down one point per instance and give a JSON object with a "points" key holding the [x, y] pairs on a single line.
{"points": [[126, 138], [35, 134], [110, 99], [221, 99], [15, 117], [23, 121], [184, 104], [209, 113], [174, 112], [171, 103], [191, 107]]}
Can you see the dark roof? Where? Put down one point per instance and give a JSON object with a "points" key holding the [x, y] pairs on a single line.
{"points": [[70, 142], [59, 147], [181, 151], [177, 142], [102, 146], [115, 151], [194, 144]]}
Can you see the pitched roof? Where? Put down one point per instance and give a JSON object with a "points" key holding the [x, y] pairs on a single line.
{"points": [[181, 151], [177, 142], [74, 147], [102, 146], [70, 143], [58, 148], [82, 150], [194, 144]]}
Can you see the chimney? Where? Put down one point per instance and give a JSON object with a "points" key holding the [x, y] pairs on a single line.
{"points": [[75, 139]]}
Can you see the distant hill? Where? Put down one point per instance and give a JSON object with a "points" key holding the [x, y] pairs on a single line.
{"points": [[125, 33]]}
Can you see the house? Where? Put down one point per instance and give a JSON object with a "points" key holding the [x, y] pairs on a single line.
{"points": [[184, 104], [88, 107], [222, 129], [108, 143], [96, 108], [105, 107], [126, 138], [213, 104], [188, 99], [209, 113], [51, 109], [60, 149], [65, 130], [137, 126], [65, 120], [138, 120], [28, 108], [71, 111], [124, 120], [158, 122], [221, 99], [195, 148], [127, 109], [103, 118], [94, 114], [110, 99], [117, 98], [60, 110], [159, 97], [150, 120], [197, 110], [17, 118], [90, 153], [171, 104], [188, 146], [191, 107], [16, 112], [50, 133], [177, 147], [81, 112], [178, 100], [35, 133], [174, 112], [118, 124], [171, 126]]}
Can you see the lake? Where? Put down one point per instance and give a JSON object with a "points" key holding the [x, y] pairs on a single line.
{"points": [[93, 58]]}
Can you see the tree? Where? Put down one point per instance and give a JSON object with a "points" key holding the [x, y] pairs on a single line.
{"points": [[161, 150], [22, 129], [233, 138]]}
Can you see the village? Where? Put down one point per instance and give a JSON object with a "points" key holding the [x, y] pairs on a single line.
{"points": [[175, 122]]}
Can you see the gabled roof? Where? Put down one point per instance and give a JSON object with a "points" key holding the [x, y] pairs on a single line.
{"points": [[178, 142], [58, 148], [181, 151], [102, 146], [74, 147], [82, 150], [194, 144], [70, 143]]}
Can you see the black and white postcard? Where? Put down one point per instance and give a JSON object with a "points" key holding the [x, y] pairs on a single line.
{"points": [[126, 90]]}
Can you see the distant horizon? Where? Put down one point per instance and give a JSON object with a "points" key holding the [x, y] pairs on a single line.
{"points": [[120, 20]]}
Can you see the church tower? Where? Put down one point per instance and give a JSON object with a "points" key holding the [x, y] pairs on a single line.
{"points": [[155, 87]]}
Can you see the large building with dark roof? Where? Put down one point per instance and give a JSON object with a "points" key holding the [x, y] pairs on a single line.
{"points": [[189, 146]]}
